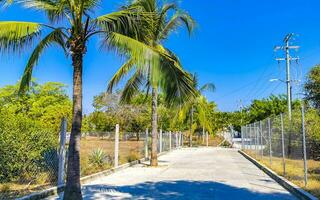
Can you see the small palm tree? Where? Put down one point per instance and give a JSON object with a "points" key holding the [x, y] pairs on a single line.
{"points": [[79, 25], [166, 75], [199, 103]]}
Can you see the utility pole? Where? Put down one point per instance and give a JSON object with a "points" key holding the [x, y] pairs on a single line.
{"points": [[286, 48]]}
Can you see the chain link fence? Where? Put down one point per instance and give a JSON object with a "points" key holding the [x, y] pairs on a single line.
{"points": [[283, 144], [99, 151]]}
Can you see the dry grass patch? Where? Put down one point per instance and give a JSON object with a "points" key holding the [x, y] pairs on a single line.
{"points": [[295, 171]]}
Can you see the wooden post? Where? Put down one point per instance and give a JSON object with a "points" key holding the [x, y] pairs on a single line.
{"points": [[62, 152], [146, 145], [116, 147]]}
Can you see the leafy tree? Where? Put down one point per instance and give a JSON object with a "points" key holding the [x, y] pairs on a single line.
{"points": [[29, 128], [312, 87], [71, 24], [161, 72], [108, 112]]}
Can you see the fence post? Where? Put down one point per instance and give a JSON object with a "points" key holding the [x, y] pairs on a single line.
{"points": [[261, 139], [270, 146], [203, 135], [170, 140], [282, 144], [207, 138], [146, 145], [305, 166], [62, 151], [247, 136], [256, 138], [177, 140], [160, 144], [250, 136], [180, 139], [116, 147]]}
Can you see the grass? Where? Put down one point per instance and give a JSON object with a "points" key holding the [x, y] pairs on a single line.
{"points": [[295, 171], [126, 149]]}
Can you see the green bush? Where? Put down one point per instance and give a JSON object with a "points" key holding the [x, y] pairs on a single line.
{"points": [[133, 156], [99, 158], [23, 144]]}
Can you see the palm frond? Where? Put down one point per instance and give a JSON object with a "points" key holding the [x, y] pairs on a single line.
{"points": [[123, 71], [175, 82], [175, 22], [6, 3], [55, 10], [16, 36], [55, 37], [127, 21], [208, 87], [143, 54], [132, 87]]}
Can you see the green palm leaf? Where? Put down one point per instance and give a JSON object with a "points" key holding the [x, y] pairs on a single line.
{"points": [[175, 22], [55, 37], [121, 73], [208, 87], [17, 36], [132, 87]]}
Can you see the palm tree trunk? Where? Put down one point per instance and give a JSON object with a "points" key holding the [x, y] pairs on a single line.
{"points": [[154, 143], [73, 187]]}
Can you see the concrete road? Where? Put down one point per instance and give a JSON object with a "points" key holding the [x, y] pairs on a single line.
{"points": [[196, 173]]}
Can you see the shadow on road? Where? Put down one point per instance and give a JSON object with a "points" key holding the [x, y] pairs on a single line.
{"points": [[178, 190]]}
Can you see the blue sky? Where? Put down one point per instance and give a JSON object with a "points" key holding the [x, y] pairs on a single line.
{"points": [[231, 47]]}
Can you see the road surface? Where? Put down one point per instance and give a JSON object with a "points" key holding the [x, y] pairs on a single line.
{"points": [[190, 173]]}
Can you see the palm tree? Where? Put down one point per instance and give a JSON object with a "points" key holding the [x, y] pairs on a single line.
{"points": [[166, 75], [199, 102], [79, 25]]}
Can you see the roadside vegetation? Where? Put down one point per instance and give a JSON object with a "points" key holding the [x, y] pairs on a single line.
{"points": [[158, 94]]}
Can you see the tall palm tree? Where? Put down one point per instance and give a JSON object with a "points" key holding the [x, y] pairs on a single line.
{"points": [[79, 25], [166, 75], [198, 102]]}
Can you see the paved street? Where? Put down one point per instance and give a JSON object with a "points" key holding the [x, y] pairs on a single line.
{"points": [[197, 173]]}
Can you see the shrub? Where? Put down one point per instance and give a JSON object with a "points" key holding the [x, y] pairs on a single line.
{"points": [[99, 158], [5, 188], [133, 156], [23, 144]]}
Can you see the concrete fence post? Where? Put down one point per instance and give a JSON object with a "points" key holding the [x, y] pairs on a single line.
{"points": [[257, 139], [305, 166], [180, 139], [282, 146], [170, 140], [207, 138], [146, 145], [203, 135], [270, 140], [160, 137], [62, 152], [177, 140], [261, 139], [116, 147]]}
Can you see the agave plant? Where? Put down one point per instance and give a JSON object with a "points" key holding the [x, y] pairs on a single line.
{"points": [[70, 25], [99, 158], [165, 74]]}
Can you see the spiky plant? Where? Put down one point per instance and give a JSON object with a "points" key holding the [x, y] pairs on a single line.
{"points": [[70, 25], [164, 74]]}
